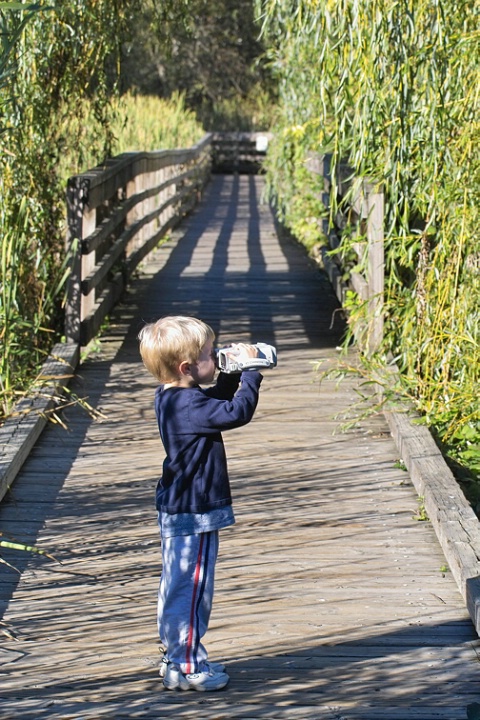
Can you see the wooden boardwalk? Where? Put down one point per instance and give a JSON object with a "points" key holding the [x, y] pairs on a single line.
{"points": [[331, 600]]}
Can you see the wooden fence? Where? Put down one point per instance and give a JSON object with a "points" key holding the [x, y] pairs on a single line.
{"points": [[361, 212], [118, 212], [453, 519]]}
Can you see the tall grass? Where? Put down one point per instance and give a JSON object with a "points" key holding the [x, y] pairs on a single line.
{"points": [[392, 88], [152, 123], [28, 305], [31, 285], [136, 123], [59, 115], [13, 326]]}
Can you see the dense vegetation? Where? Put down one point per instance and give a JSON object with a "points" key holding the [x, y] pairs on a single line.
{"points": [[54, 64], [392, 88], [82, 81], [207, 50]]}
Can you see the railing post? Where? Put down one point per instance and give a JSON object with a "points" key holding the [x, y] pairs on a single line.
{"points": [[77, 194], [376, 264], [87, 302], [135, 186], [168, 174], [365, 212]]}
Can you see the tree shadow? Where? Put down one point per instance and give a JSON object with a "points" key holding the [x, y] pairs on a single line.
{"points": [[404, 673]]}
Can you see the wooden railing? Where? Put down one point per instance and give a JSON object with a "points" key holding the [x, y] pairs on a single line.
{"points": [[361, 206], [118, 212]]}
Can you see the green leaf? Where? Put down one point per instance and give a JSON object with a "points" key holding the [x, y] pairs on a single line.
{"points": [[20, 6], [24, 548]]}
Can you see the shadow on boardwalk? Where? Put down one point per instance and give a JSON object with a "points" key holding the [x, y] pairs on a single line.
{"points": [[330, 599]]}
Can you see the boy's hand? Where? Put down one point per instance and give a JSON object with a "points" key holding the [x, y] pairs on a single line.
{"points": [[243, 350]]}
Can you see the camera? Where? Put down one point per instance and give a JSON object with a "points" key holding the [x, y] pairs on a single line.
{"points": [[267, 358]]}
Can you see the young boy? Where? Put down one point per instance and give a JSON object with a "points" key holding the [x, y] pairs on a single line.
{"points": [[193, 496]]}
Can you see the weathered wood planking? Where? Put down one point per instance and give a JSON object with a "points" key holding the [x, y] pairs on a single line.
{"points": [[23, 428], [331, 601], [456, 525]]}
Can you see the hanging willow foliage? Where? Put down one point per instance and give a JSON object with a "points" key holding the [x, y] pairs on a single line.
{"points": [[59, 115], [392, 87], [52, 58]]}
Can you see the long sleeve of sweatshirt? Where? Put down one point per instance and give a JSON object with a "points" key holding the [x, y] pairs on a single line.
{"points": [[191, 420]]}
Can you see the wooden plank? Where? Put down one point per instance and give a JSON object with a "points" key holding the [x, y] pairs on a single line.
{"points": [[360, 285], [20, 432], [455, 523], [331, 600]]}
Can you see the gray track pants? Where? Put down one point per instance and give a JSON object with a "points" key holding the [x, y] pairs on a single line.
{"points": [[185, 597]]}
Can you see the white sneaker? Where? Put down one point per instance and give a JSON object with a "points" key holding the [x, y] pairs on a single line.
{"points": [[165, 662], [202, 681]]}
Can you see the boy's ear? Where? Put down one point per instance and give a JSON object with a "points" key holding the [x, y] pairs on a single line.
{"points": [[184, 368]]}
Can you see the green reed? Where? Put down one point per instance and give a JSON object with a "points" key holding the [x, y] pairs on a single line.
{"points": [[392, 88], [59, 115]]}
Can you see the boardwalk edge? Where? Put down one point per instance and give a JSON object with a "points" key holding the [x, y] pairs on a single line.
{"points": [[30, 415], [453, 519]]}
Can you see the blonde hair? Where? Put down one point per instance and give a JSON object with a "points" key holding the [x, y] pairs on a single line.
{"points": [[171, 340]]}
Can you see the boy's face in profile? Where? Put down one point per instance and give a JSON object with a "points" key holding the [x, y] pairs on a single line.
{"points": [[203, 371]]}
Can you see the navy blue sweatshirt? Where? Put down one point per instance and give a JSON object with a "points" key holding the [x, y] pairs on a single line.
{"points": [[190, 420]]}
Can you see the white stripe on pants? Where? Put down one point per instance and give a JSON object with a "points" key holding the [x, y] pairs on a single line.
{"points": [[185, 597]]}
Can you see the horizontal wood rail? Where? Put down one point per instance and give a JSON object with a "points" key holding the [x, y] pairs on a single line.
{"points": [[362, 213], [117, 213]]}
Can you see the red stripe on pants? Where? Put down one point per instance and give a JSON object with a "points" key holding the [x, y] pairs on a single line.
{"points": [[198, 569]]}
